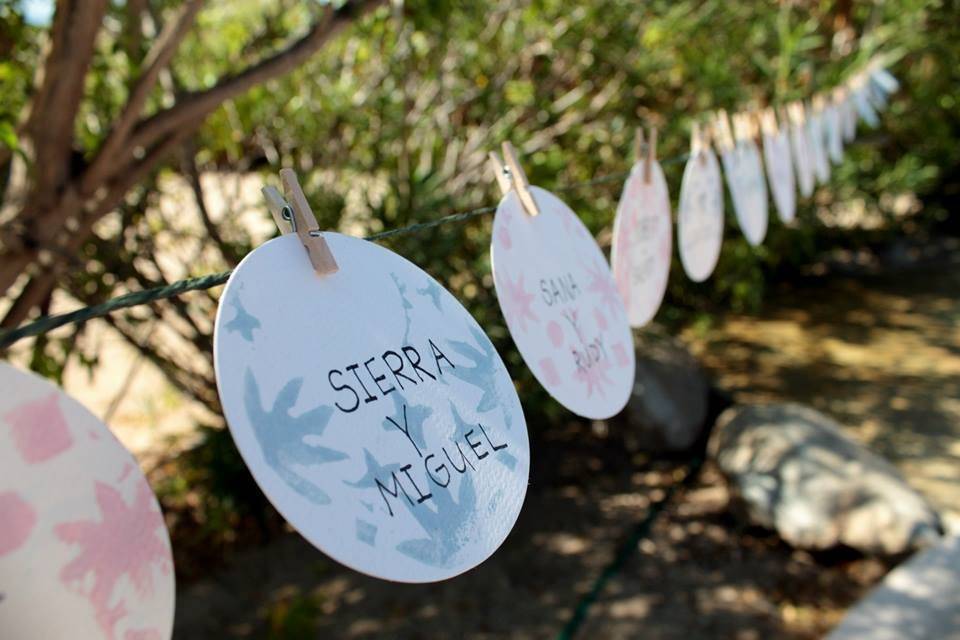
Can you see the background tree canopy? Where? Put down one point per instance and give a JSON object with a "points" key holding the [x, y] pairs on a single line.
{"points": [[387, 112]]}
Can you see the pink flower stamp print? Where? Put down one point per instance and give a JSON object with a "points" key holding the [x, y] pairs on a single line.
{"points": [[562, 305], [39, 429], [642, 241], [78, 517], [18, 520]]}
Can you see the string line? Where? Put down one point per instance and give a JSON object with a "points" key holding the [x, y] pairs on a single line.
{"points": [[48, 323]]}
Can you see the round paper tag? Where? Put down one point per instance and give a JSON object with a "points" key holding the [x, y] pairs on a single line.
{"points": [[562, 306], [862, 103], [776, 153], [371, 408], [84, 552], [744, 172], [700, 216], [802, 160], [642, 243], [818, 148], [831, 123], [848, 118]]}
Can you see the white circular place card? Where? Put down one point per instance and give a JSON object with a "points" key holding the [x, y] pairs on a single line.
{"points": [[562, 306], [848, 118], [748, 189], [864, 107], [642, 243], [834, 135], [783, 185], [700, 215], [371, 408], [802, 159], [818, 147], [84, 552]]}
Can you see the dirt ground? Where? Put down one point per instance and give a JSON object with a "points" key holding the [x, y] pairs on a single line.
{"points": [[879, 352]]}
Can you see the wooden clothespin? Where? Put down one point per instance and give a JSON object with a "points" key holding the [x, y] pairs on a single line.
{"points": [[768, 122], [722, 132], [696, 142], [279, 208], [305, 225], [739, 126], [784, 116], [818, 103], [510, 175], [796, 112], [646, 150]]}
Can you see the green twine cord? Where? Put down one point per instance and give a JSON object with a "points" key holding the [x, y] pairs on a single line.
{"points": [[625, 551], [46, 324]]}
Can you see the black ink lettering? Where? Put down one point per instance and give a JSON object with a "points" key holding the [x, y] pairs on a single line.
{"points": [[495, 447], [397, 490], [463, 459], [376, 380], [396, 372], [406, 429], [426, 466], [474, 445], [416, 363], [406, 469], [343, 387], [353, 369], [438, 356]]}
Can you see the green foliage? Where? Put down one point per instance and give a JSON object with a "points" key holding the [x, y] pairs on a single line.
{"points": [[391, 122]]}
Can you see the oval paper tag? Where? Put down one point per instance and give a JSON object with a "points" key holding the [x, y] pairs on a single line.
{"points": [[831, 123], [862, 103], [562, 306], [776, 153], [848, 119], [818, 148], [700, 216], [84, 552], [371, 408], [802, 160], [744, 172], [642, 243]]}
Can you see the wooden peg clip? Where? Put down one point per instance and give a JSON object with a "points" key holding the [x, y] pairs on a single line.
{"points": [[723, 133], [645, 149], [696, 139], [279, 208], [768, 122], [305, 225], [510, 175], [818, 103]]}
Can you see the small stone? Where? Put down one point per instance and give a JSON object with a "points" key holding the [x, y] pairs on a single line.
{"points": [[795, 472], [668, 407]]}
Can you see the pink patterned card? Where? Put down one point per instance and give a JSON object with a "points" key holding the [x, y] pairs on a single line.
{"points": [[642, 243], [84, 552], [562, 306]]}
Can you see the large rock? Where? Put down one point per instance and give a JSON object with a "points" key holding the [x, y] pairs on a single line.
{"points": [[919, 600], [795, 472], [668, 407]]}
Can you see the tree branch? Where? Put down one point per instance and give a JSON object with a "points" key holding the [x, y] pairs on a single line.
{"points": [[156, 61], [49, 125], [193, 107]]}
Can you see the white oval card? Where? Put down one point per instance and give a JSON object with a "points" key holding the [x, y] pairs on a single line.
{"points": [[371, 408], [818, 147], [642, 243], [84, 551], [783, 184], [832, 126], [700, 215], [562, 306], [748, 189], [802, 159]]}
